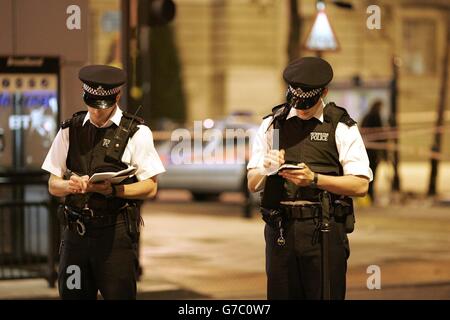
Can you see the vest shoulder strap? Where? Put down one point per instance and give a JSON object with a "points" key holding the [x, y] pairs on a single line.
{"points": [[338, 114], [275, 110], [133, 117], [77, 118], [119, 139], [131, 121], [347, 120], [279, 114]]}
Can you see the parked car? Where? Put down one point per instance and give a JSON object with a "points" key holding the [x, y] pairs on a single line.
{"points": [[212, 162]]}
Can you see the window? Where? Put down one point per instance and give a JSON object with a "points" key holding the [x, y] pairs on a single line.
{"points": [[419, 46]]}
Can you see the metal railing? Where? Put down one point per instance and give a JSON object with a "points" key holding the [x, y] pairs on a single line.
{"points": [[29, 232]]}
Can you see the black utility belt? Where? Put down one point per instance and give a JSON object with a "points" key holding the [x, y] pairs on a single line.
{"points": [[304, 212], [93, 214], [80, 218], [301, 212], [104, 205]]}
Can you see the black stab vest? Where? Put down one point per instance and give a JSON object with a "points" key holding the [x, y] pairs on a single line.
{"points": [[87, 155], [311, 142]]}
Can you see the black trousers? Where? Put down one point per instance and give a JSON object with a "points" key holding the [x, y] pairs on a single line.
{"points": [[294, 270], [373, 160], [104, 259]]}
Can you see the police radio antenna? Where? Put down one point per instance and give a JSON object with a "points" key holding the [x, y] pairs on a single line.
{"points": [[134, 115]]}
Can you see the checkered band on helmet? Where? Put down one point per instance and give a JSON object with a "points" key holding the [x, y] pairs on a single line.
{"points": [[300, 94], [100, 91]]}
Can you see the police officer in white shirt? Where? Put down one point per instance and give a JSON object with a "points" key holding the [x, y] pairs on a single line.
{"points": [[101, 220], [307, 205]]}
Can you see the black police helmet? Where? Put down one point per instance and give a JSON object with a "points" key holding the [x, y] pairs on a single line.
{"points": [[307, 77], [101, 85]]}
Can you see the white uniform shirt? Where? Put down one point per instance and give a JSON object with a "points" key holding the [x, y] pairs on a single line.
{"points": [[352, 152], [139, 152]]}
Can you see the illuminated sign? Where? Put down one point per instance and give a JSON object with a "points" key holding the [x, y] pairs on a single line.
{"points": [[28, 110], [322, 37], [19, 122], [44, 99]]}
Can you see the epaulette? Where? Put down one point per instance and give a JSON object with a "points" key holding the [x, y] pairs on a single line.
{"points": [[68, 122], [279, 114], [130, 116], [275, 111], [339, 114], [345, 118]]}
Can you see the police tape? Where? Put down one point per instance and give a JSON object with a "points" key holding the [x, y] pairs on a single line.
{"points": [[410, 150], [381, 133], [383, 138]]}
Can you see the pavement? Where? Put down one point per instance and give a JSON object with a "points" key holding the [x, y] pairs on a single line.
{"points": [[207, 250]]}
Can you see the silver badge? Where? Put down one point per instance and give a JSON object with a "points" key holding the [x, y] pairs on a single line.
{"points": [[319, 136], [106, 143]]}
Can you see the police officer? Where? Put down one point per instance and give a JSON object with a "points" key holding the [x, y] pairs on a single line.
{"points": [[101, 220], [307, 209]]}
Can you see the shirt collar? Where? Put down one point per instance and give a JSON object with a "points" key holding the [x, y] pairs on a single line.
{"points": [[115, 118], [318, 115]]}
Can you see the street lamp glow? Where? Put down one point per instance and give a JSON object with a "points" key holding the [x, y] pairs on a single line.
{"points": [[208, 123], [320, 5], [321, 36]]}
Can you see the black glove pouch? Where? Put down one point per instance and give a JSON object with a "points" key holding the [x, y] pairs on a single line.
{"points": [[133, 219]]}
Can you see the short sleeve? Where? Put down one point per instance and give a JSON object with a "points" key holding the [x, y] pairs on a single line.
{"points": [[55, 161], [143, 155], [352, 152], [260, 144]]}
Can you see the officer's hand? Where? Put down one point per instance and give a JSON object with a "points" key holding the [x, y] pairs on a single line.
{"points": [[103, 188], [301, 177], [273, 160], [78, 184]]}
